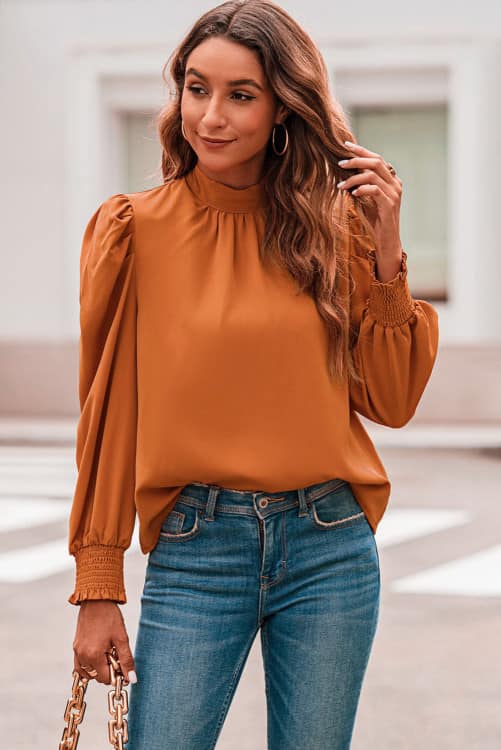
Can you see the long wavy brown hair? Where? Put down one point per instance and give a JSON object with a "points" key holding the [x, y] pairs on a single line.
{"points": [[309, 222]]}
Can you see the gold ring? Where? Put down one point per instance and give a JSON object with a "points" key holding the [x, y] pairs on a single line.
{"points": [[391, 167], [90, 670]]}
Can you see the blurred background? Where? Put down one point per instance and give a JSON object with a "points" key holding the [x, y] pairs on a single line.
{"points": [[420, 83]]}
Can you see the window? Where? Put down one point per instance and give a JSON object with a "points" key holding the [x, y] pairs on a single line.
{"points": [[414, 140]]}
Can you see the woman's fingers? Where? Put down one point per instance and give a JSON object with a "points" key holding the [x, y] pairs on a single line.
{"points": [[373, 166], [375, 180], [367, 179], [376, 169], [358, 148], [78, 668], [125, 656], [94, 661]]}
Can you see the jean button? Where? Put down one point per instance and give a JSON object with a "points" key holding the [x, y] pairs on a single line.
{"points": [[263, 502]]}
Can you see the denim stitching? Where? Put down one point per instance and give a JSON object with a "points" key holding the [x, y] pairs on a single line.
{"points": [[185, 535], [238, 510], [335, 523], [176, 519], [268, 584], [281, 577]]}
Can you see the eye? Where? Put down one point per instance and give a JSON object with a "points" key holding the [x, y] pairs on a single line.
{"points": [[246, 97], [195, 89]]}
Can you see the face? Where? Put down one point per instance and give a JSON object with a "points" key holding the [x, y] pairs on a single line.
{"points": [[214, 106]]}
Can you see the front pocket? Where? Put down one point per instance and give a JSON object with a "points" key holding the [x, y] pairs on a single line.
{"points": [[183, 522], [336, 509]]}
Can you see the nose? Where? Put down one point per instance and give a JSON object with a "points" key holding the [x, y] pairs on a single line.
{"points": [[213, 117]]}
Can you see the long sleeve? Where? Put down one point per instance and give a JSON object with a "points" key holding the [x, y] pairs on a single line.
{"points": [[102, 516], [396, 341]]}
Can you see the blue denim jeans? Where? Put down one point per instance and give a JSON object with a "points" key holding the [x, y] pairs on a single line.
{"points": [[302, 567]]}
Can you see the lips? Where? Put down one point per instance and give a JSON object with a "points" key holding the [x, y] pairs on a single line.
{"points": [[213, 140]]}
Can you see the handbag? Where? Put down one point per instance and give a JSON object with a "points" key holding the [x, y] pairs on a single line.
{"points": [[118, 706]]}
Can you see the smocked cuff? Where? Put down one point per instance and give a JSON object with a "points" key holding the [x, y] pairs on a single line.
{"points": [[99, 574], [390, 302]]}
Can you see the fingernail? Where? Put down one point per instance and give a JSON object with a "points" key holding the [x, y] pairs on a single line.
{"points": [[343, 162], [132, 676], [349, 143]]}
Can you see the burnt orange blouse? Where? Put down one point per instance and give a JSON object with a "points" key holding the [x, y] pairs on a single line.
{"points": [[199, 362]]}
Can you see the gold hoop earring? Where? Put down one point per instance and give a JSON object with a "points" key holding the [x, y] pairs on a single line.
{"points": [[182, 131], [280, 153]]}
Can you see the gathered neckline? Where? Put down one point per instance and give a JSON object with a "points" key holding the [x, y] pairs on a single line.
{"points": [[223, 197]]}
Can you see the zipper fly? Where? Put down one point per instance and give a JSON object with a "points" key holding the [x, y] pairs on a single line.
{"points": [[261, 532]]}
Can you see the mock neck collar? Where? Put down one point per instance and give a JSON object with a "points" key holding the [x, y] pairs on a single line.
{"points": [[221, 196]]}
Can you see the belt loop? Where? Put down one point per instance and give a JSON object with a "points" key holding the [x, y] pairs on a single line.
{"points": [[211, 502], [303, 509]]}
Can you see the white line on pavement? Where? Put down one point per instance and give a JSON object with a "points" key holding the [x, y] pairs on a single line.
{"points": [[25, 512], [474, 575], [42, 560], [406, 524]]}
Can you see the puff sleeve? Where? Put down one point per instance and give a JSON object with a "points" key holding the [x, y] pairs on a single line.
{"points": [[396, 341], [102, 516]]}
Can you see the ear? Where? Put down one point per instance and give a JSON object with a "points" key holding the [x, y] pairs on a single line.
{"points": [[282, 113]]}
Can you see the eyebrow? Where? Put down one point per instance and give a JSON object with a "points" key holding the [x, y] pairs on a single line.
{"points": [[237, 82]]}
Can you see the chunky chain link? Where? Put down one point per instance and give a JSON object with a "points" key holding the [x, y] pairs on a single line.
{"points": [[118, 706], [74, 713]]}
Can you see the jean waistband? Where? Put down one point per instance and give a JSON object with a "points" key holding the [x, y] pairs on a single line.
{"points": [[248, 502]]}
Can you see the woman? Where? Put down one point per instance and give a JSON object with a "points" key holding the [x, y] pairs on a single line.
{"points": [[233, 321]]}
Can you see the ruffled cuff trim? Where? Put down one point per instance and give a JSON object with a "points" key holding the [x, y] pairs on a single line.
{"points": [[390, 302], [99, 574]]}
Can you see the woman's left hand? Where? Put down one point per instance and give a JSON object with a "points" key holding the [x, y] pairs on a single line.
{"points": [[386, 189]]}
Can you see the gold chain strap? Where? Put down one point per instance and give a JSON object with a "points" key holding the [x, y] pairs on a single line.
{"points": [[118, 706]]}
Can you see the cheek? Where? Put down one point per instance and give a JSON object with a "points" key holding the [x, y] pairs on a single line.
{"points": [[260, 119], [191, 109], [254, 124], [187, 111]]}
